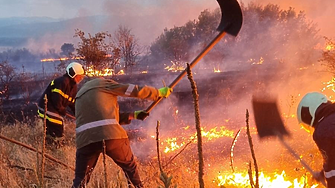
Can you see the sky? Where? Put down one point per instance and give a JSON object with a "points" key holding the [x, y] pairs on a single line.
{"points": [[169, 12], [146, 18]]}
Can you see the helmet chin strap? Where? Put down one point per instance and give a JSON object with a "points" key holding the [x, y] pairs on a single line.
{"points": [[71, 72], [306, 116]]}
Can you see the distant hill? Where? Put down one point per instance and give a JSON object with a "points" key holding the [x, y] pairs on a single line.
{"points": [[25, 20], [14, 32]]}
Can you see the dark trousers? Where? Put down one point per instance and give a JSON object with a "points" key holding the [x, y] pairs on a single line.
{"points": [[331, 182], [54, 130], [117, 149]]}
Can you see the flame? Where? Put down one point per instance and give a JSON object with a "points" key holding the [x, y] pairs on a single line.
{"points": [[105, 72], [121, 72], [330, 85], [217, 70], [175, 67], [173, 144], [144, 72], [330, 47], [276, 181], [255, 62], [60, 59]]}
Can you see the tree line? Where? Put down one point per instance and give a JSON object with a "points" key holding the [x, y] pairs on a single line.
{"points": [[269, 35]]}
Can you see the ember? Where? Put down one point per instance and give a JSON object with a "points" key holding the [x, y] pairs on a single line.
{"points": [[175, 67]]}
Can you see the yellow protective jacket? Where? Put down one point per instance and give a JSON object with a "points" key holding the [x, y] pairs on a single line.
{"points": [[97, 109]]}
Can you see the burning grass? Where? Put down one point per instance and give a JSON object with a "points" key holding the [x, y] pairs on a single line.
{"points": [[18, 165]]}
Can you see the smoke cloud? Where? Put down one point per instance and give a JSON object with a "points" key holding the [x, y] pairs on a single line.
{"points": [[320, 12]]}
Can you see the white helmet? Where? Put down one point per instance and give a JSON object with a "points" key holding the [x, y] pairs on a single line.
{"points": [[74, 69], [308, 106]]}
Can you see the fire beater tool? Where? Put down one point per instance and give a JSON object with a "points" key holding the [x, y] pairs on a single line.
{"points": [[269, 123], [231, 23]]}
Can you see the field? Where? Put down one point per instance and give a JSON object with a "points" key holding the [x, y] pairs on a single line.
{"points": [[222, 118]]}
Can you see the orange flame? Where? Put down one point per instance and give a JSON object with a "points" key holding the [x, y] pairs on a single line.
{"points": [[277, 181], [175, 67], [60, 59], [173, 144]]}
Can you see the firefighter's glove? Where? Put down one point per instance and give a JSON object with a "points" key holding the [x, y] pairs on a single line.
{"points": [[165, 91], [140, 114]]}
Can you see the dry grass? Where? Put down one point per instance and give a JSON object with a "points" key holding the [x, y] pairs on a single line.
{"points": [[18, 165]]}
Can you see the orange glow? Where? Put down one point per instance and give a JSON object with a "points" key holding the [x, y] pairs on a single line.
{"points": [[121, 72], [175, 143], [241, 179], [217, 70], [175, 67], [330, 86], [330, 47], [256, 62], [60, 59], [105, 72]]}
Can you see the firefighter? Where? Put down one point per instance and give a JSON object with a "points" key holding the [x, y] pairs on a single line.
{"points": [[60, 94], [316, 113], [98, 120]]}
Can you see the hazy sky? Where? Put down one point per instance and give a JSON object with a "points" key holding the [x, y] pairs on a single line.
{"points": [[167, 11], [146, 18]]}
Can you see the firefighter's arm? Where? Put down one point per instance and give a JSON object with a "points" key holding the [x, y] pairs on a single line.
{"points": [[136, 91], [125, 118], [72, 107], [57, 98]]}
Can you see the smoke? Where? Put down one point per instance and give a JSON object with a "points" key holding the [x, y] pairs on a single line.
{"points": [[278, 77], [318, 11], [148, 19]]}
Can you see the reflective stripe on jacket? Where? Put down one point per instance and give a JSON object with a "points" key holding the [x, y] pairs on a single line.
{"points": [[97, 109], [50, 116]]}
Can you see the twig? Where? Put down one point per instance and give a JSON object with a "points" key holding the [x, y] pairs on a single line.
{"points": [[157, 145], [232, 149], [43, 137], [163, 176], [252, 183], [35, 150], [170, 161], [252, 150], [163, 83], [175, 156], [197, 125], [104, 161]]}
